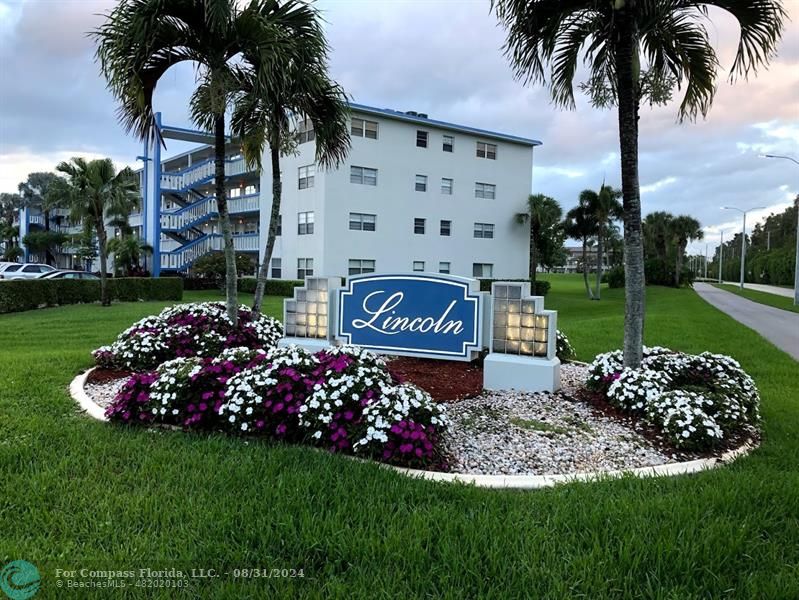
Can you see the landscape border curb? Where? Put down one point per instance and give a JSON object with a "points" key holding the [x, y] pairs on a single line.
{"points": [[517, 482]]}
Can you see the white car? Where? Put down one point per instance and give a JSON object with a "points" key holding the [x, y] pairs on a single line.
{"points": [[25, 271]]}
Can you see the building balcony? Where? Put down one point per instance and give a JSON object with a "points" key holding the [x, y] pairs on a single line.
{"points": [[202, 172], [205, 209]]}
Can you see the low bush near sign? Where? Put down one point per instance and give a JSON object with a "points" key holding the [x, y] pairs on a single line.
{"points": [[187, 330], [342, 399], [697, 401]]}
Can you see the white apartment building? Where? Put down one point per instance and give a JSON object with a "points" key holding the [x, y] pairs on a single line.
{"points": [[415, 194]]}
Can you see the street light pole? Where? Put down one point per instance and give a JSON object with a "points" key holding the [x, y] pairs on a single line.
{"points": [[743, 238], [796, 204], [721, 256]]}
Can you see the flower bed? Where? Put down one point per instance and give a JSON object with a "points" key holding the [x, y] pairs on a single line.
{"points": [[342, 399], [697, 402], [187, 330]]}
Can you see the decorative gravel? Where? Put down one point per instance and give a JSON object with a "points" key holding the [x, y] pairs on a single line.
{"points": [[522, 433], [103, 394], [519, 433]]}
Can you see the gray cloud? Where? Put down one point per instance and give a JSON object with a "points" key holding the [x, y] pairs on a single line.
{"points": [[441, 57]]}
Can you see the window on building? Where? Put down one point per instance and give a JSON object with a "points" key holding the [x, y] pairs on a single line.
{"points": [[443, 267], [484, 230], [362, 221], [279, 225], [363, 175], [364, 128], [231, 193], [250, 190], [359, 266], [277, 270], [482, 270], [446, 186], [448, 143], [418, 266], [304, 268], [487, 191], [305, 132], [421, 139], [305, 176], [418, 226], [421, 183], [446, 228], [486, 150], [305, 222]]}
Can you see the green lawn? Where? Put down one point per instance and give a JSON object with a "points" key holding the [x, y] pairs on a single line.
{"points": [[79, 493], [761, 297]]}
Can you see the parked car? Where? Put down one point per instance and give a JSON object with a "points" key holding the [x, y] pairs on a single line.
{"points": [[69, 275], [25, 271]]}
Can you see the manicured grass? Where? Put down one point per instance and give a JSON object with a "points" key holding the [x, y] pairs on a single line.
{"points": [[760, 297], [79, 493]]}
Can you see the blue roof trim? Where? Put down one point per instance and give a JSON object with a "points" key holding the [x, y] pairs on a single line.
{"points": [[401, 116]]}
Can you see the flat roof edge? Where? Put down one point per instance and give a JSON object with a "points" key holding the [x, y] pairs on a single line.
{"points": [[401, 116]]}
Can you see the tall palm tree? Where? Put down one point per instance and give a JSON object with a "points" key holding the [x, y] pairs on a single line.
{"points": [[580, 225], [605, 207], [266, 111], [141, 39], [634, 49], [96, 193], [684, 229], [544, 214]]}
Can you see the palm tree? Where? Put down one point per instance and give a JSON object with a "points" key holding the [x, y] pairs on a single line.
{"points": [[266, 112], [38, 190], [683, 230], [141, 39], [656, 229], [621, 37], [580, 225], [544, 214], [605, 207], [96, 193]]}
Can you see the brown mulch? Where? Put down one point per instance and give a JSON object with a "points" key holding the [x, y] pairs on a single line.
{"points": [[102, 375], [444, 380]]}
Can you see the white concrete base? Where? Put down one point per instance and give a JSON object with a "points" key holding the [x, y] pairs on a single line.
{"points": [[523, 373], [310, 344]]}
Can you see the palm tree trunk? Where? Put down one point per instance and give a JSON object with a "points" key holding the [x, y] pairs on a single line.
{"points": [[532, 258], [48, 254], [274, 217], [627, 72], [231, 292], [585, 270], [599, 250], [678, 266], [102, 242]]}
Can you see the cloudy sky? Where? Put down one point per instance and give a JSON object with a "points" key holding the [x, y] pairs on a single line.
{"points": [[442, 57]]}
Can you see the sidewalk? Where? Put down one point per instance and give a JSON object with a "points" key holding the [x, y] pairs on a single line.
{"points": [[780, 327], [769, 289]]}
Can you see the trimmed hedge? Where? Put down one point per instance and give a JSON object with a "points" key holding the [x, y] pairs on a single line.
{"points": [[274, 287], [20, 295], [539, 288]]}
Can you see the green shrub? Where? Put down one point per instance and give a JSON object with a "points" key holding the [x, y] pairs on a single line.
{"points": [[20, 295], [274, 287], [539, 288], [615, 277]]}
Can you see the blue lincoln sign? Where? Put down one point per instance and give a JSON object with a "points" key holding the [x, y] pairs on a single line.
{"points": [[414, 315]]}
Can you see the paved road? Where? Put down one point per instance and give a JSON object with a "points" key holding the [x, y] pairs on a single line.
{"points": [[780, 327], [769, 289]]}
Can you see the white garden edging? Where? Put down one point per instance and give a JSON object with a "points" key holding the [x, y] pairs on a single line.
{"points": [[520, 482]]}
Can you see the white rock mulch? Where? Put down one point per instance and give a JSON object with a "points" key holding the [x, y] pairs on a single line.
{"points": [[513, 433], [518, 433]]}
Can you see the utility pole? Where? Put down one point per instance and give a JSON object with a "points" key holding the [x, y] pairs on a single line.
{"points": [[721, 256], [743, 238], [705, 261]]}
